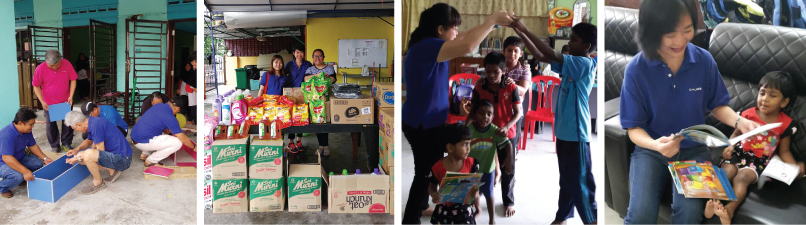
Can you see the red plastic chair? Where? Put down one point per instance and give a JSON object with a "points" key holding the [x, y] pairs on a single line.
{"points": [[455, 80], [546, 85]]}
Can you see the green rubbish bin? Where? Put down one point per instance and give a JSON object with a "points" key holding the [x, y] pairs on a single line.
{"points": [[242, 82]]}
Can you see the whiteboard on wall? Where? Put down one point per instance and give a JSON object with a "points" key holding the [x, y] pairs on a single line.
{"points": [[355, 53]]}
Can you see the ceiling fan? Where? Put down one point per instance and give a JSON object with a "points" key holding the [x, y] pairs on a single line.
{"points": [[261, 37]]}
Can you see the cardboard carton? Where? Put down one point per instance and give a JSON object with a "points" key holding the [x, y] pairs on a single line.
{"points": [[386, 153], [266, 159], [384, 94], [229, 159], [392, 202], [361, 193], [230, 196], [386, 124], [266, 195], [304, 188], [352, 111]]}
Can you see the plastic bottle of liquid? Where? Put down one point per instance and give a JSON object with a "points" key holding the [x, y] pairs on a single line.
{"points": [[226, 112], [344, 172], [238, 110], [357, 171], [217, 110], [377, 172], [331, 173]]}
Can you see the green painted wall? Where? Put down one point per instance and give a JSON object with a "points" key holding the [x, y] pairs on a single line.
{"points": [[47, 13], [570, 4], [8, 59]]}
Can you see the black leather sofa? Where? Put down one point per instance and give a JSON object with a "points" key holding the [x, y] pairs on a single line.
{"points": [[743, 53]]}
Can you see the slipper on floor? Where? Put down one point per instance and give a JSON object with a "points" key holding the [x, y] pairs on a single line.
{"points": [[8, 194], [113, 177], [92, 189], [145, 164]]}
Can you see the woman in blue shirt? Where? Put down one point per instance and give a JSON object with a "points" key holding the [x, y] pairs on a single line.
{"points": [[319, 67], [435, 41], [670, 85], [273, 82]]}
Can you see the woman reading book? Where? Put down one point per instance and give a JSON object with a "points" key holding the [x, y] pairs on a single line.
{"points": [[670, 85]]}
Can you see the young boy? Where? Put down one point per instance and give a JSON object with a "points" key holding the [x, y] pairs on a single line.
{"points": [[484, 146], [507, 112], [457, 144], [572, 119]]}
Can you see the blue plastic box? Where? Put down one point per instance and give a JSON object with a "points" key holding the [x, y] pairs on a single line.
{"points": [[54, 180]]}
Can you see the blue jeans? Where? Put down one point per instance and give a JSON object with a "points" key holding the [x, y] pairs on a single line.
{"points": [[649, 175], [114, 161], [12, 178]]}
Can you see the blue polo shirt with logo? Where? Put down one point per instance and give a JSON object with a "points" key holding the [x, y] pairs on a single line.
{"points": [[572, 116], [426, 85], [663, 103], [13, 143], [102, 131], [296, 73]]}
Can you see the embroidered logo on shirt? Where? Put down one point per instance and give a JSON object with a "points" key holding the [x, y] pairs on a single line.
{"points": [[695, 89]]}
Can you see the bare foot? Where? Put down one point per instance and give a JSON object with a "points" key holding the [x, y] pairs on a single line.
{"points": [[478, 213], [709, 209], [558, 222], [509, 211], [722, 212], [428, 212], [492, 220]]}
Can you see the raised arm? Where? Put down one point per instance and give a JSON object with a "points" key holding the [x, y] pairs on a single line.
{"points": [[541, 47], [473, 37]]}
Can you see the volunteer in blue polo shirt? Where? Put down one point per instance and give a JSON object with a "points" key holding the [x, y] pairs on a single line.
{"points": [[670, 85], [148, 135], [110, 149], [15, 165], [107, 112], [435, 41], [296, 71]]}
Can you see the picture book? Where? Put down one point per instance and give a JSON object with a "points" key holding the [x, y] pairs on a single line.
{"points": [[710, 136], [701, 180], [460, 187]]}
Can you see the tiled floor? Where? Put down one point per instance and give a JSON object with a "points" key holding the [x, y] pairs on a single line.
{"points": [[537, 178]]}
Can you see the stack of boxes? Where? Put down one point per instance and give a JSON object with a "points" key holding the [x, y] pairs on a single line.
{"points": [[266, 183], [228, 172], [384, 93]]}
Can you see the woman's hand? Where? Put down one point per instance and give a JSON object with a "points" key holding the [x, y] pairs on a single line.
{"points": [[669, 145], [746, 125], [728, 152], [501, 18]]}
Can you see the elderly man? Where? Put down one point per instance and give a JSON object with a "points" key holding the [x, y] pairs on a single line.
{"points": [[147, 134], [110, 150], [15, 165], [107, 112], [55, 82]]}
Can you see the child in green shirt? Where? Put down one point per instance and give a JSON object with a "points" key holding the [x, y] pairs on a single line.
{"points": [[483, 147]]}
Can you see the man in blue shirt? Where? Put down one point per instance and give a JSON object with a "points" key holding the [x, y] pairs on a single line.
{"points": [[572, 120], [148, 136], [110, 150], [15, 165], [296, 69], [107, 112]]}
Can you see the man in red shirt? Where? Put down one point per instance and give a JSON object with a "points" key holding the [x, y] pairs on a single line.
{"points": [[508, 110], [55, 82]]}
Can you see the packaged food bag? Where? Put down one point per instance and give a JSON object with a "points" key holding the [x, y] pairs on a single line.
{"points": [[300, 115], [318, 112]]}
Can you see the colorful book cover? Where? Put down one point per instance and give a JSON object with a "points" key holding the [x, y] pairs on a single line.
{"points": [[701, 180], [460, 187]]}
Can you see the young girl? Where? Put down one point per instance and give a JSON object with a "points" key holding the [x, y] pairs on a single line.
{"points": [[457, 144], [484, 145], [272, 82], [746, 160]]}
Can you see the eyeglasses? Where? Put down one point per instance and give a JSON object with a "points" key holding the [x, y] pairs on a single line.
{"points": [[319, 56]]}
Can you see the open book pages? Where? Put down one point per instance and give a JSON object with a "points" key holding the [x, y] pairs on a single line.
{"points": [[710, 136], [779, 170]]}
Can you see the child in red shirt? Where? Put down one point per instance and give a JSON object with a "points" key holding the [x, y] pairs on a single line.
{"points": [[744, 165], [457, 137]]}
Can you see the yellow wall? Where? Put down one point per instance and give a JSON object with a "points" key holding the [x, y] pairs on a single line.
{"points": [[324, 33], [235, 63]]}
